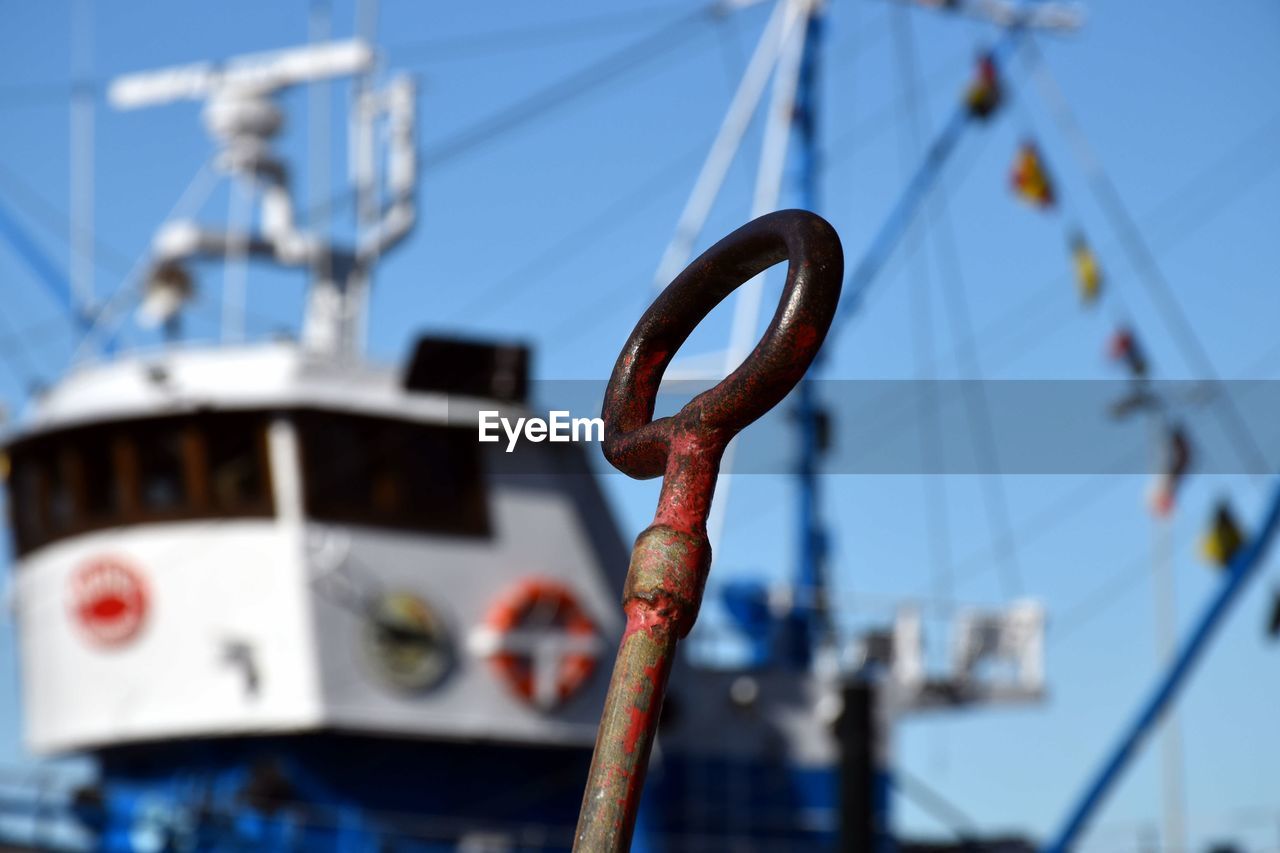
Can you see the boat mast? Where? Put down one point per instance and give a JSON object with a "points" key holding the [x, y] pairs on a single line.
{"points": [[809, 619], [82, 155]]}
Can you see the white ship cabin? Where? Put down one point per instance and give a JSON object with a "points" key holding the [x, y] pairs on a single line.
{"points": [[254, 539]]}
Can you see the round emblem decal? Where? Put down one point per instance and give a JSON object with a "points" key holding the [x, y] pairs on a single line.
{"points": [[407, 641], [109, 600]]}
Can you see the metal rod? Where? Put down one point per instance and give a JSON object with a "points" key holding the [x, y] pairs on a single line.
{"points": [[1172, 791], [82, 155], [671, 558], [768, 189], [808, 622]]}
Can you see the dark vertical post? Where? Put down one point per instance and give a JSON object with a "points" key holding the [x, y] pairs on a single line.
{"points": [[858, 736]]}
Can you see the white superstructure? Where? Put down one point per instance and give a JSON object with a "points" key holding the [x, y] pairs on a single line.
{"points": [[283, 537], [257, 539]]}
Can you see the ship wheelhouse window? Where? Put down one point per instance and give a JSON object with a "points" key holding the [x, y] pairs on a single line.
{"points": [[101, 489], [389, 473], [62, 481], [26, 500], [163, 477], [210, 464], [237, 469]]}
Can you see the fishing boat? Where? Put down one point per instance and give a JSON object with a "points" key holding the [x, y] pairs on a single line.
{"points": [[285, 599], [275, 595]]}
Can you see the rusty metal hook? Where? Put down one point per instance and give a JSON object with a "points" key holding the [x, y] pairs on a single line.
{"points": [[671, 558]]}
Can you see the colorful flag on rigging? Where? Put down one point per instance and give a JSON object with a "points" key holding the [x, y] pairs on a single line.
{"points": [[1174, 464], [1030, 178], [984, 93], [1223, 538], [1124, 347], [1088, 272]]}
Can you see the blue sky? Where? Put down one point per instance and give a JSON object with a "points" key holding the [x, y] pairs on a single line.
{"points": [[1177, 98]]}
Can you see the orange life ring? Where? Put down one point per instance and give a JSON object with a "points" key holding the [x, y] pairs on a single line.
{"points": [[520, 657]]}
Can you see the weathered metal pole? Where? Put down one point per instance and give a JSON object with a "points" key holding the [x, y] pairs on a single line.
{"points": [[671, 558]]}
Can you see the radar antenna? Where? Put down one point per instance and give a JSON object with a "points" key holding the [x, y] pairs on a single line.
{"points": [[243, 117]]}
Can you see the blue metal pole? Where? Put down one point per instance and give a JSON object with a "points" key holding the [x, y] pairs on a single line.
{"points": [[808, 614], [1243, 566]]}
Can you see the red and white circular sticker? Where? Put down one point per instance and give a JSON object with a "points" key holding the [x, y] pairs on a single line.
{"points": [[109, 600]]}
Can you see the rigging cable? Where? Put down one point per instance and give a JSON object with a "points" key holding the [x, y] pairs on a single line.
{"points": [[859, 280], [937, 517], [1075, 500], [608, 220], [977, 404], [45, 214], [1141, 257], [1114, 298], [573, 326], [864, 133], [1206, 193], [927, 798], [18, 359], [732, 54], [1108, 593], [461, 47], [545, 101], [536, 36], [46, 272], [931, 428], [1207, 207], [1144, 263], [567, 89], [861, 135], [942, 238], [110, 315], [879, 121], [1248, 160]]}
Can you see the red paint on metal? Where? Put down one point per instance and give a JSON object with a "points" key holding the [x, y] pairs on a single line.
{"points": [[636, 729], [642, 618]]}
